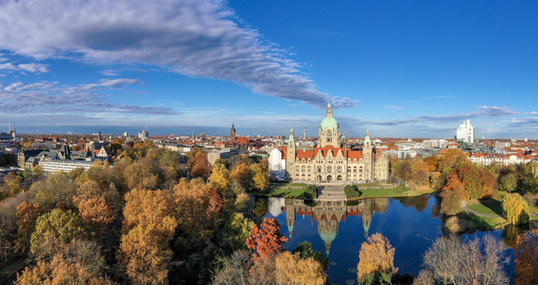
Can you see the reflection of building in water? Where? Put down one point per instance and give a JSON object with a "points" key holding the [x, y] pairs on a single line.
{"points": [[276, 205], [329, 214]]}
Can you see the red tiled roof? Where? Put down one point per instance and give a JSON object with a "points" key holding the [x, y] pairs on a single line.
{"points": [[241, 140]]}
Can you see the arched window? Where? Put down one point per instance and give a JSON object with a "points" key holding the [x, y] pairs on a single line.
{"points": [[349, 169], [339, 177], [329, 178], [329, 169], [319, 169], [303, 169], [319, 177], [339, 169], [360, 169], [354, 169], [302, 175], [309, 169], [296, 168]]}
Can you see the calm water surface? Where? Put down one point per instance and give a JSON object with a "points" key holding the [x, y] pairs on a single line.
{"points": [[411, 224]]}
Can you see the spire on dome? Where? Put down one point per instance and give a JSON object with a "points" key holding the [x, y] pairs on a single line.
{"points": [[329, 110]]}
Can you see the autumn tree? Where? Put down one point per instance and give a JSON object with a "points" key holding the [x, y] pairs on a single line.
{"points": [[55, 230], [237, 229], [200, 166], [470, 177], [27, 215], [292, 269], [149, 209], [515, 209], [452, 158], [404, 171], [197, 208], [142, 174], [508, 183], [266, 240], [526, 252], [57, 188], [60, 271], [304, 249], [96, 205], [240, 175], [145, 255], [376, 255], [235, 269], [487, 179], [432, 162], [478, 261], [259, 176]]}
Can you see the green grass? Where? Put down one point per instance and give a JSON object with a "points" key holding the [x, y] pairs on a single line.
{"points": [[488, 207], [371, 184], [533, 209], [483, 221], [380, 192], [287, 192]]}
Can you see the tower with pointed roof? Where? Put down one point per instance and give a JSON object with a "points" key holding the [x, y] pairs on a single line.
{"points": [[329, 129], [232, 134], [290, 154], [368, 157]]}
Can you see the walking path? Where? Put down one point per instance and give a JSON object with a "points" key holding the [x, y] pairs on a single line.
{"points": [[331, 193]]}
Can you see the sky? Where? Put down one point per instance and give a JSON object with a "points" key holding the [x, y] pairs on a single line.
{"points": [[398, 68]]}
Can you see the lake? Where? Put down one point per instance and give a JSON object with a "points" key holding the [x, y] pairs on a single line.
{"points": [[338, 229]]}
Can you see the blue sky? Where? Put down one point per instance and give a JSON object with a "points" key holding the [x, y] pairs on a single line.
{"points": [[398, 68]]}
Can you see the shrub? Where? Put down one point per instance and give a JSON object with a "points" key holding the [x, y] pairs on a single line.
{"points": [[311, 192]]}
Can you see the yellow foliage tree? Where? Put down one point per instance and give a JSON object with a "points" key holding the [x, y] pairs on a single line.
{"points": [[198, 210], [376, 255], [145, 256], [453, 158], [515, 208], [220, 177], [59, 271], [150, 209], [291, 269], [259, 176]]}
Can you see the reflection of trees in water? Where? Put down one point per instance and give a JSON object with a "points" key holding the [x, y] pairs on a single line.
{"points": [[510, 233], [418, 202]]}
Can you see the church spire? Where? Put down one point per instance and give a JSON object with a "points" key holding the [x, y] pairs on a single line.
{"points": [[329, 110]]}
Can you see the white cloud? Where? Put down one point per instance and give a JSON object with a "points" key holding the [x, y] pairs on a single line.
{"points": [[50, 98], [198, 38], [30, 67]]}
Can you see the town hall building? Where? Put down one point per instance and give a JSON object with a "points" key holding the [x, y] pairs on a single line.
{"points": [[330, 160]]}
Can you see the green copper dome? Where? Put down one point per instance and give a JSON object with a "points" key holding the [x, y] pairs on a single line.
{"points": [[329, 121]]}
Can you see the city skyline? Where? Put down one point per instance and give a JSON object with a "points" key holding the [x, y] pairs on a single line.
{"points": [[398, 69]]}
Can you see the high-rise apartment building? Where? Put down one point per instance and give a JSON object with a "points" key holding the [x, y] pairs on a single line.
{"points": [[465, 132]]}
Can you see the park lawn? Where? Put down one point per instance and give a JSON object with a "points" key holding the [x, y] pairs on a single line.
{"points": [[488, 207], [392, 192], [287, 192], [371, 184], [486, 222]]}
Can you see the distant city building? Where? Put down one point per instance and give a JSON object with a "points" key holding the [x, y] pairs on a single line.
{"points": [[143, 135], [277, 165], [224, 153], [232, 134], [57, 165], [465, 132], [501, 145]]}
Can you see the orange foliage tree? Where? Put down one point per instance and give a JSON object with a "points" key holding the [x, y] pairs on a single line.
{"points": [[266, 240], [27, 215], [432, 162], [376, 255], [526, 251], [240, 175], [92, 204], [200, 166]]}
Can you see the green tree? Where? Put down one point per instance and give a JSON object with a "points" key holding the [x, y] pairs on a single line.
{"points": [[237, 230], [59, 187], [55, 230], [508, 183]]}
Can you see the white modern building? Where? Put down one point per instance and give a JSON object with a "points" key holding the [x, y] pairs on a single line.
{"points": [[277, 165], [465, 132], [57, 165]]}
